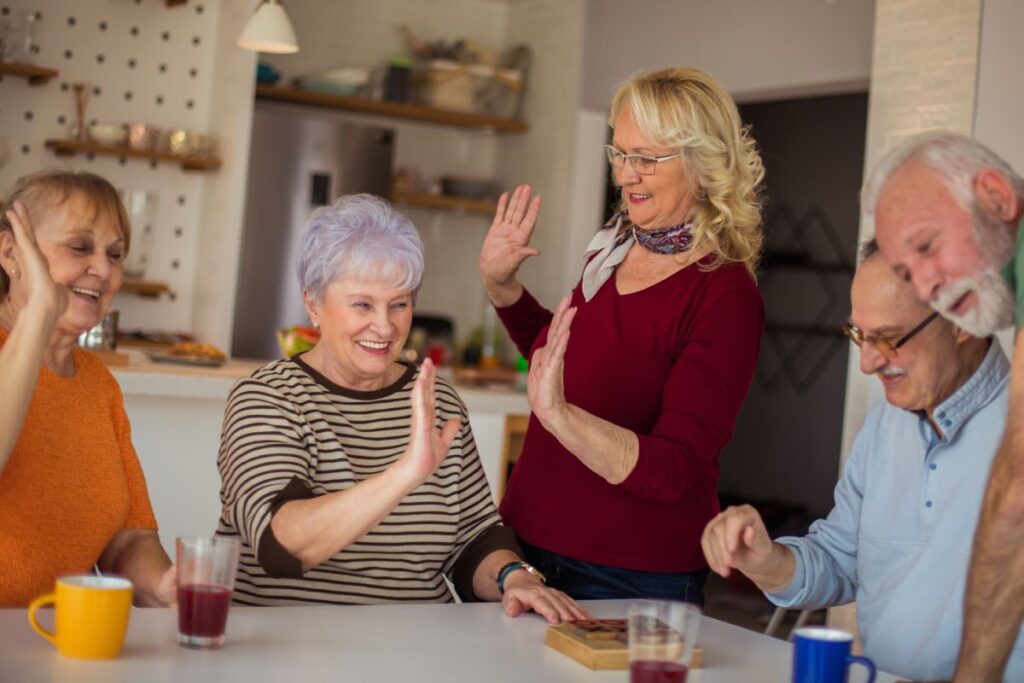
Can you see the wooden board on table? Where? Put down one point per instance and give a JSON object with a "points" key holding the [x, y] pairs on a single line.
{"points": [[599, 644]]}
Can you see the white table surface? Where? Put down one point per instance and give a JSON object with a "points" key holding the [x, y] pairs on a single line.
{"points": [[407, 643]]}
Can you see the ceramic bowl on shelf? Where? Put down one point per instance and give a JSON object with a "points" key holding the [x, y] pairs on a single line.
{"points": [[109, 134], [143, 137]]}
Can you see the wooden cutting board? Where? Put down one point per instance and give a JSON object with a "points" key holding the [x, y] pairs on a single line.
{"points": [[600, 644]]}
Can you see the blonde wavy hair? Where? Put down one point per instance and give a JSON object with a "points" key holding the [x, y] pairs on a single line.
{"points": [[688, 110]]}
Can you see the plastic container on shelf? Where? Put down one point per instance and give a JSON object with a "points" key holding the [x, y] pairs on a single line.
{"points": [[398, 81]]}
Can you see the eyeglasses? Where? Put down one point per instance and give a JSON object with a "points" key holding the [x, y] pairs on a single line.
{"points": [[641, 163], [884, 346]]}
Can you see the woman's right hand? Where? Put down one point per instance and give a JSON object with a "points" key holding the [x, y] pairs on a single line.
{"points": [[42, 291], [507, 243], [428, 446]]}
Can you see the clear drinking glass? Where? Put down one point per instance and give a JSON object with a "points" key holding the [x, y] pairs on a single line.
{"points": [[662, 634], [141, 207], [206, 576]]}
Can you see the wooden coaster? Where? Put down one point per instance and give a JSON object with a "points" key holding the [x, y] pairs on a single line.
{"points": [[600, 644]]}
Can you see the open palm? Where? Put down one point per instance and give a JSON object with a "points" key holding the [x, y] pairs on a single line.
{"points": [[545, 385], [39, 284], [507, 243], [428, 446]]}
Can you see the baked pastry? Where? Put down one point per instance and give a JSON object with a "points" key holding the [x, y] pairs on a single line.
{"points": [[196, 350]]}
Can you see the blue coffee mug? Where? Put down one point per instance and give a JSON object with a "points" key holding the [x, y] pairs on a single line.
{"points": [[822, 655]]}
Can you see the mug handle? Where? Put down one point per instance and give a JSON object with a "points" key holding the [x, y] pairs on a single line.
{"points": [[42, 600], [866, 663]]}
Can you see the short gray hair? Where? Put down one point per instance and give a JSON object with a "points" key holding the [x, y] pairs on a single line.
{"points": [[868, 248], [359, 235], [956, 158]]}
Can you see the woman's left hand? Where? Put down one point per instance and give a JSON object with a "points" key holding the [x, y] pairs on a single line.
{"points": [[526, 593], [545, 387]]}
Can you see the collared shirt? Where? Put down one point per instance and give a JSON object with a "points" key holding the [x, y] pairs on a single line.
{"points": [[898, 540]]}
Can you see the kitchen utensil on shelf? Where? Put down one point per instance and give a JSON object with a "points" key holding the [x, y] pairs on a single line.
{"points": [[109, 134], [81, 92], [470, 188]]}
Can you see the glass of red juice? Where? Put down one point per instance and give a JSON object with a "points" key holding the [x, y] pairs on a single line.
{"points": [[206, 574], [662, 635]]}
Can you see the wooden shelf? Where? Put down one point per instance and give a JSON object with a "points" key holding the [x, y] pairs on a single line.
{"points": [[485, 207], [145, 288], [36, 75], [66, 148], [397, 110]]}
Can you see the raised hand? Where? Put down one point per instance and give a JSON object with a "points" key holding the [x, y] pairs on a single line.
{"points": [[428, 446], [736, 539], [41, 289], [507, 243], [545, 386]]}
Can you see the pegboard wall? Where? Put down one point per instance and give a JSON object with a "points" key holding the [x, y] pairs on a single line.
{"points": [[143, 62]]}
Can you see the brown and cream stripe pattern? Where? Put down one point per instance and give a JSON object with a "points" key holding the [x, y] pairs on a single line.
{"points": [[287, 427]]}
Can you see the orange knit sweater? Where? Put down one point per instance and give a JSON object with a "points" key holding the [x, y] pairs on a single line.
{"points": [[71, 483]]}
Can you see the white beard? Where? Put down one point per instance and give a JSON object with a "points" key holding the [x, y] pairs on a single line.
{"points": [[994, 310]]}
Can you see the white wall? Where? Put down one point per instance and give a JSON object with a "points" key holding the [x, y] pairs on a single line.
{"points": [[553, 29], [754, 48], [93, 41], [1000, 98], [923, 77]]}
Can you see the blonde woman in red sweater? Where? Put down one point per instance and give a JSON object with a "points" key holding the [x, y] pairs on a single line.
{"points": [[619, 469]]}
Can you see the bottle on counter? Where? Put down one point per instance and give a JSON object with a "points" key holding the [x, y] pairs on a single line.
{"points": [[489, 339]]}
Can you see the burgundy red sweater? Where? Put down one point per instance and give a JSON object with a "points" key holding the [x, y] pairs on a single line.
{"points": [[673, 363]]}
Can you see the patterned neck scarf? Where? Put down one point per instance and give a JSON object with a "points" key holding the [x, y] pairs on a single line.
{"points": [[610, 246], [672, 240]]}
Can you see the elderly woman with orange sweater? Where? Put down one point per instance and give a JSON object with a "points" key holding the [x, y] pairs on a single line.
{"points": [[72, 492]]}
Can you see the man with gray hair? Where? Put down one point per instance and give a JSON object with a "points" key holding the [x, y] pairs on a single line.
{"points": [[947, 216], [898, 539]]}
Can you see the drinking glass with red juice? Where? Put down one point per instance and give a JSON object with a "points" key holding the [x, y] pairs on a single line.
{"points": [[206, 574], [662, 634]]}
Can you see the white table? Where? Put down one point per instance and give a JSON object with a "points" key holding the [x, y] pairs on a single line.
{"points": [[475, 643]]}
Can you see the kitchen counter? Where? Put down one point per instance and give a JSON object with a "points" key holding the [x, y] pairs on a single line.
{"points": [[143, 377], [176, 413]]}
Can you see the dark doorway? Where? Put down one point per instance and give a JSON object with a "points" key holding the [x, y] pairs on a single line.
{"points": [[788, 437]]}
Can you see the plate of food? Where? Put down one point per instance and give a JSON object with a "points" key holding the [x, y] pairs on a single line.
{"points": [[191, 353]]}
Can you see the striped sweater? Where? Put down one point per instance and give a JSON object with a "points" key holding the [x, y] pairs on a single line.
{"points": [[291, 433]]}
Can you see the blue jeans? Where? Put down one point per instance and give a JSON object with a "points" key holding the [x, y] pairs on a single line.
{"points": [[586, 581]]}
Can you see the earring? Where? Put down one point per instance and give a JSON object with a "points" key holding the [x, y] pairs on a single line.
{"points": [[14, 273], [316, 324]]}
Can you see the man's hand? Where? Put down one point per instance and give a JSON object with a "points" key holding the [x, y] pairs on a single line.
{"points": [[737, 539]]}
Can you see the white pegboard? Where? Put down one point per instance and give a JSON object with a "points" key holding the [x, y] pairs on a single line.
{"points": [[145, 62]]}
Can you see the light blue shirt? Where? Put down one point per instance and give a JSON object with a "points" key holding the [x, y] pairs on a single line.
{"points": [[898, 540]]}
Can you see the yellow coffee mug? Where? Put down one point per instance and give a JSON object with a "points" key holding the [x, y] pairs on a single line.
{"points": [[91, 615]]}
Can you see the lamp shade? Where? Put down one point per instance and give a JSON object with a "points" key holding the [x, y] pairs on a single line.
{"points": [[269, 30]]}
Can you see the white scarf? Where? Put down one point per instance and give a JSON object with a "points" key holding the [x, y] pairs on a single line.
{"points": [[610, 252]]}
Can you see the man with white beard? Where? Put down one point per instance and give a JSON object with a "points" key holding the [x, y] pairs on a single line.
{"points": [[898, 539], [947, 218]]}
